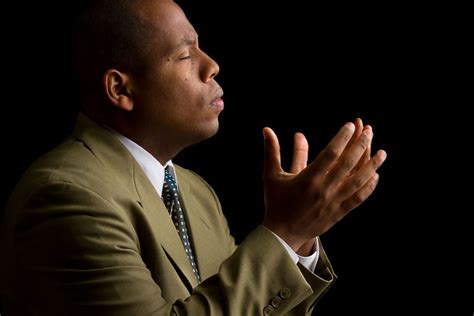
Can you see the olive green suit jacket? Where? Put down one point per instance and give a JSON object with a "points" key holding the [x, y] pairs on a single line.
{"points": [[85, 233]]}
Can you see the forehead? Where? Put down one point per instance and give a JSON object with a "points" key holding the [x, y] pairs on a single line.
{"points": [[170, 26]]}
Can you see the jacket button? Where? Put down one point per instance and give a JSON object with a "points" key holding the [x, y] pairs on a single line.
{"points": [[285, 293], [276, 301], [268, 310]]}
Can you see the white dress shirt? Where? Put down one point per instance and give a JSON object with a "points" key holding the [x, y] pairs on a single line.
{"points": [[156, 174]]}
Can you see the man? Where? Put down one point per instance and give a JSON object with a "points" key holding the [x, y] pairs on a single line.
{"points": [[105, 224]]}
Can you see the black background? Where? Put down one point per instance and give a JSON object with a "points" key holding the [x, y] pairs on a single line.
{"points": [[310, 68]]}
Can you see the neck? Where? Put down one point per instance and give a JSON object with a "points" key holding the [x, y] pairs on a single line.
{"points": [[161, 148], [160, 151]]}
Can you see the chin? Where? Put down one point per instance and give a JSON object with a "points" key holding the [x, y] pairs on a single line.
{"points": [[211, 130], [204, 132]]}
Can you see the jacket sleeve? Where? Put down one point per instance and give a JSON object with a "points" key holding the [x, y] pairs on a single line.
{"points": [[74, 255]]}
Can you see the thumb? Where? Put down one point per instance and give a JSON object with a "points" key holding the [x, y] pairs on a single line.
{"points": [[271, 159], [300, 153]]}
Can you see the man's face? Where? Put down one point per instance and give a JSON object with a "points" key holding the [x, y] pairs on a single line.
{"points": [[177, 97]]}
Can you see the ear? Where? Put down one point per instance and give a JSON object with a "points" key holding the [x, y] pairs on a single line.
{"points": [[117, 88]]}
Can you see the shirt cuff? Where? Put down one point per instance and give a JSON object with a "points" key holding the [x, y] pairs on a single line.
{"points": [[308, 262]]}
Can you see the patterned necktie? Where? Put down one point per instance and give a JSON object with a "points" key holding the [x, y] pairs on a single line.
{"points": [[171, 199]]}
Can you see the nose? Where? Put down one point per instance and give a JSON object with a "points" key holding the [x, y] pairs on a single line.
{"points": [[210, 68]]}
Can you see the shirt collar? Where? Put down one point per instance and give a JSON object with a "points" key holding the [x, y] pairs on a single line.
{"points": [[152, 168]]}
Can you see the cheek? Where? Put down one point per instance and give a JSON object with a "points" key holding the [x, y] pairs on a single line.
{"points": [[182, 89], [189, 88]]}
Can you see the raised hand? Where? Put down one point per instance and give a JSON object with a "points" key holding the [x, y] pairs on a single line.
{"points": [[308, 200]]}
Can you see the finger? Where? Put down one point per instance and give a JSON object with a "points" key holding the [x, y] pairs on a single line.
{"points": [[272, 160], [333, 150], [361, 195], [368, 152], [359, 126], [366, 156], [349, 159], [300, 153], [357, 180]]}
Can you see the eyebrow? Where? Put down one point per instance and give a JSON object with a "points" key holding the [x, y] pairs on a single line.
{"points": [[188, 41]]}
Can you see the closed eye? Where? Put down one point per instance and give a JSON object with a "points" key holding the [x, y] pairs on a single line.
{"points": [[185, 57]]}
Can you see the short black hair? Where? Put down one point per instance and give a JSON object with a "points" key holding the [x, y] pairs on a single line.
{"points": [[108, 34]]}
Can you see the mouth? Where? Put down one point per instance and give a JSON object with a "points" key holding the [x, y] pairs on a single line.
{"points": [[217, 102]]}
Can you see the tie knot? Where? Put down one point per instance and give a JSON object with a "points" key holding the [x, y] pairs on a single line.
{"points": [[170, 191], [169, 179]]}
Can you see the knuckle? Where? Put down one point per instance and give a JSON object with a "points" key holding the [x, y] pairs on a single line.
{"points": [[372, 185], [376, 162], [301, 151], [331, 153], [358, 198], [322, 195], [347, 136], [364, 142], [348, 163], [358, 182]]}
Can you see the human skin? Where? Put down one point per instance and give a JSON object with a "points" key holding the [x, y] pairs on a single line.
{"points": [[308, 200]]}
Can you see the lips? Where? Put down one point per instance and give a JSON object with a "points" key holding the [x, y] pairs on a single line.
{"points": [[217, 103]]}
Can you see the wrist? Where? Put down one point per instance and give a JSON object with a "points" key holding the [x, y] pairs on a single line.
{"points": [[292, 240]]}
